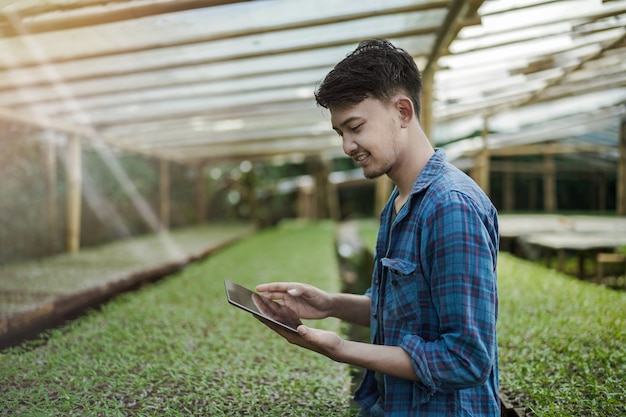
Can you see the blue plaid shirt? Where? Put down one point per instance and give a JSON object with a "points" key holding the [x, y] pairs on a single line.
{"points": [[434, 294]]}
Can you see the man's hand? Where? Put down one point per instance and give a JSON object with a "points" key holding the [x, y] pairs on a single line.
{"points": [[321, 341], [276, 311], [305, 300], [312, 303]]}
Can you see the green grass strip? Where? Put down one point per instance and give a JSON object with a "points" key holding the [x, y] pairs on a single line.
{"points": [[562, 341], [177, 348]]}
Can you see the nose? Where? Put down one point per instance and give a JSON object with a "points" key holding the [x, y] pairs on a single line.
{"points": [[349, 145]]}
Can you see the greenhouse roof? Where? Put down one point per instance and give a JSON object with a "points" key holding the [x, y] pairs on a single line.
{"points": [[194, 80]]}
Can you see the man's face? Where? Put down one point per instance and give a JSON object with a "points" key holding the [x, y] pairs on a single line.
{"points": [[369, 133]]}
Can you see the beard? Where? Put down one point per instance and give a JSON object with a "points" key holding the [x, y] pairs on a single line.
{"points": [[382, 164], [385, 161], [376, 171]]}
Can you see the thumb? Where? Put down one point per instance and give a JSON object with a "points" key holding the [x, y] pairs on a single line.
{"points": [[309, 334], [303, 330], [316, 340]]}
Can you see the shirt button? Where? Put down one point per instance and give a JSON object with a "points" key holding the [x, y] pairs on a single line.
{"points": [[394, 282]]}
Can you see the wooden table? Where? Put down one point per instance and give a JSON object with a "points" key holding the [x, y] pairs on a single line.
{"points": [[584, 235], [585, 245]]}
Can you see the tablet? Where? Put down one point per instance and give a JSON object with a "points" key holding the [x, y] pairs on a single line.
{"points": [[262, 307]]}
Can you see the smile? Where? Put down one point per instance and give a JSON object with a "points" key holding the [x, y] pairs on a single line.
{"points": [[361, 157]]}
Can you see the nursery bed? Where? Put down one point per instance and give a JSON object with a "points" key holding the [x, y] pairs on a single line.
{"points": [[562, 341], [177, 347], [37, 294]]}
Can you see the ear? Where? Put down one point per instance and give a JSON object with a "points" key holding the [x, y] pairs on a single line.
{"points": [[404, 106]]}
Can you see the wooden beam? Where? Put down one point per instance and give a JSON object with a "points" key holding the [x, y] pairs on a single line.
{"points": [[334, 206], [552, 149], [45, 18], [51, 206], [480, 171], [266, 33], [306, 203], [43, 123], [426, 117], [384, 186], [74, 193], [459, 11], [508, 188], [621, 170], [538, 95], [532, 195], [319, 169], [549, 184], [534, 168], [600, 198], [247, 185], [254, 150]]}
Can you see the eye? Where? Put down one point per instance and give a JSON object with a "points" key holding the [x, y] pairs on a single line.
{"points": [[356, 128]]}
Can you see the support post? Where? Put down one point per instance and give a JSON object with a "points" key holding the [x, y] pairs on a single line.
{"points": [[480, 172], [549, 184], [306, 203], [320, 170], [602, 192], [248, 186], [532, 194], [334, 209], [508, 186], [621, 170], [384, 186], [51, 207], [164, 194], [426, 116], [74, 196]]}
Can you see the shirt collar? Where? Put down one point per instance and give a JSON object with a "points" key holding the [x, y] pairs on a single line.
{"points": [[431, 170]]}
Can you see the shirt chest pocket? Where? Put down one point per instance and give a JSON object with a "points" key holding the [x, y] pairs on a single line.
{"points": [[400, 289]]}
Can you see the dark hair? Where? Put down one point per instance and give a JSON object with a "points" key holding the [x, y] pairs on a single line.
{"points": [[375, 69]]}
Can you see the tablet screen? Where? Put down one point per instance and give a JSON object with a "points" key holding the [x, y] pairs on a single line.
{"points": [[260, 306]]}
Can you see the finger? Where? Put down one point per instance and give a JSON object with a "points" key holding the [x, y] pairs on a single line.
{"points": [[286, 334], [309, 334], [276, 296], [310, 338], [303, 331], [275, 287], [261, 304]]}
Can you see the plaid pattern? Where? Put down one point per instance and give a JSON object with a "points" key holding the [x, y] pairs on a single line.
{"points": [[434, 293]]}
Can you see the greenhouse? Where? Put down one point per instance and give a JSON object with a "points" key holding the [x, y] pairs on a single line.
{"points": [[151, 149]]}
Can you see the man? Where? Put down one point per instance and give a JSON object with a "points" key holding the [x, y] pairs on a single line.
{"points": [[432, 305]]}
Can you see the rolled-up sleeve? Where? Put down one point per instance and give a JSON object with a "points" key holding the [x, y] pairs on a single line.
{"points": [[460, 251]]}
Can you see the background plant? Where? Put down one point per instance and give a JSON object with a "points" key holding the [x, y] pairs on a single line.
{"points": [[562, 341], [177, 348]]}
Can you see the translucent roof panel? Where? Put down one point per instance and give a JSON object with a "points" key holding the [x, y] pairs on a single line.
{"points": [[193, 80], [534, 72]]}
